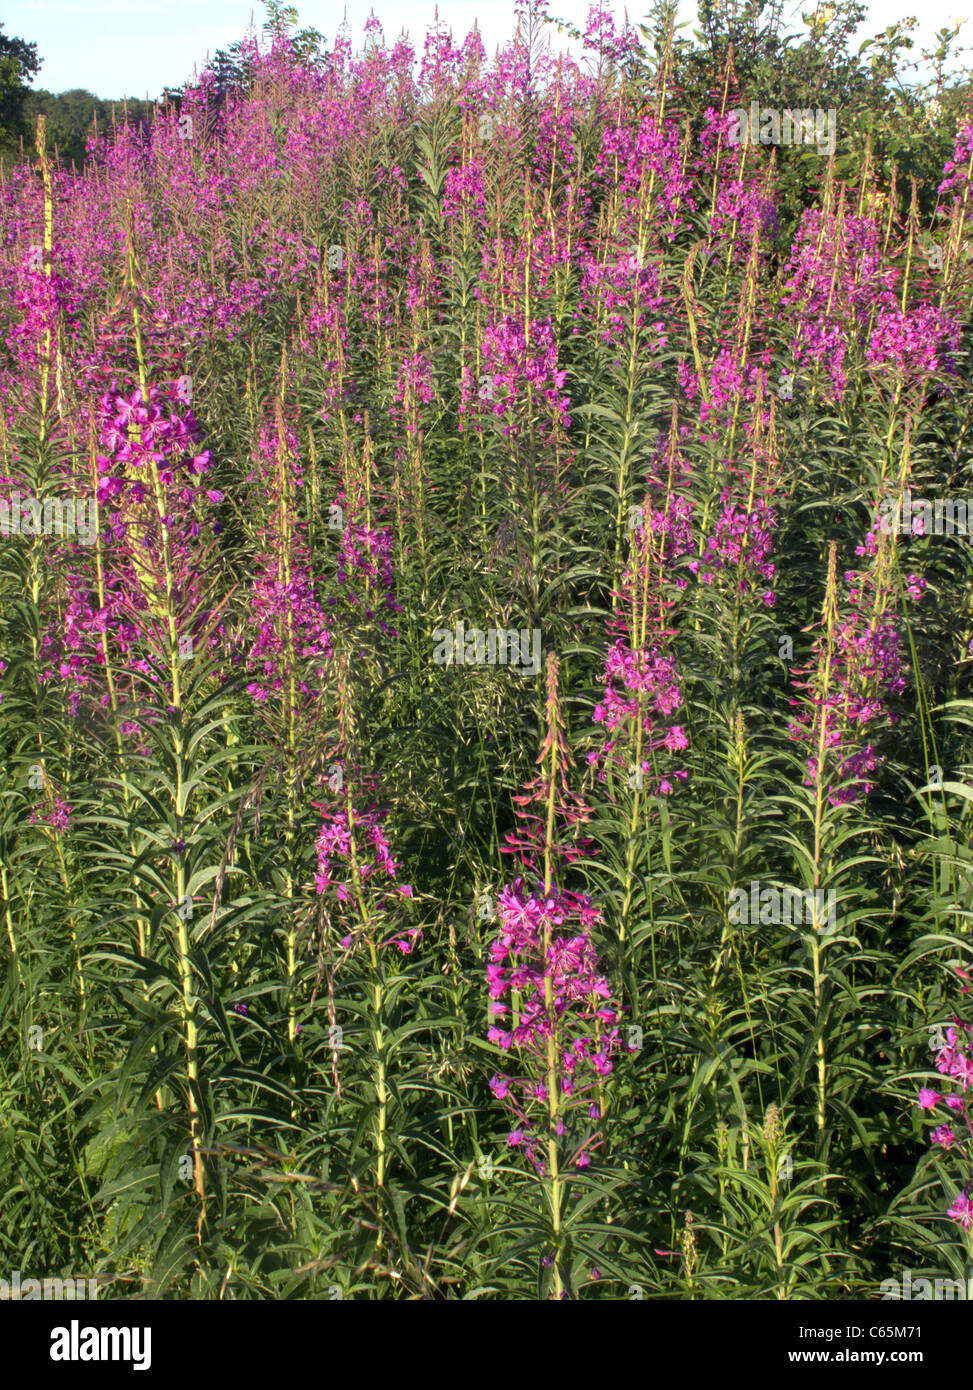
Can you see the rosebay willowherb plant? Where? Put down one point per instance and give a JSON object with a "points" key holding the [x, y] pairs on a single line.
{"points": [[956, 1068], [345, 347], [546, 985]]}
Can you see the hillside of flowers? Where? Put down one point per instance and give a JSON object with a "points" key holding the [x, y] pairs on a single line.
{"points": [[487, 736]]}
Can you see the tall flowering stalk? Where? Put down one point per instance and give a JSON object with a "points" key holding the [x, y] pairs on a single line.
{"points": [[54, 822], [51, 326], [642, 693], [958, 182], [623, 296], [823, 694], [859, 671], [857, 667], [954, 1134], [355, 876], [161, 559], [290, 651], [545, 982]]}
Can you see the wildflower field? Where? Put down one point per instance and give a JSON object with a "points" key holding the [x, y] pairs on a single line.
{"points": [[486, 622]]}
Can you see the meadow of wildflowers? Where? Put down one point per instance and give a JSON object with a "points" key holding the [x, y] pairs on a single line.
{"points": [[331, 969]]}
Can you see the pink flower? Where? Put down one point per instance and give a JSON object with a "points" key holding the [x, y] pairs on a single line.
{"points": [[962, 1210], [962, 1070], [568, 970]]}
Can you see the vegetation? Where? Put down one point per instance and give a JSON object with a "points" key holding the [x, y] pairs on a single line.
{"points": [[486, 614]]}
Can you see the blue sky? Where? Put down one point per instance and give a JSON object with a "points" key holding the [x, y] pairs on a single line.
{"points": [[136, 47]]}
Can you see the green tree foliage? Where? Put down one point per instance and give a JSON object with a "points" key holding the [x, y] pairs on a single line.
{"points": [[18, 64], [874, 88]]}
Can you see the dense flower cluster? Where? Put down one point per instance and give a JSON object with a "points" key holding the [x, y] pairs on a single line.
{"points": [[517, 363], [919, 340], [634, 158], [42, 304], [742, 205], [958, 169], [56, 815], [152, 513], [150, 442], [463, 190], [289, 627], [620, 295], [742, 540], [545, 981], [641, 681], [838, 279], [860, 671], [642, 688], [366, 572], [954, 1134], [415, 382], [353, 856], [74, 650], [611, 42], [840, 286]]}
